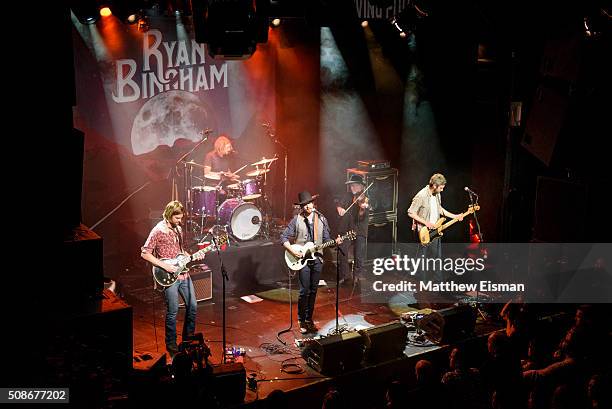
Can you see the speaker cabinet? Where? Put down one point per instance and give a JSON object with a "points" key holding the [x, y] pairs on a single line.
{"points": [[382, 238], [382, 196], [201, 276], [384, 342], [544, 123], [335, 354], [555, 199], [84, 250], [448, 324], [229, 383]]}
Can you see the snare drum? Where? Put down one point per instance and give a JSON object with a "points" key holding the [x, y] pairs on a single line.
{"points": [[250, 189], [243, 218], [203, 198], [234, 190]]}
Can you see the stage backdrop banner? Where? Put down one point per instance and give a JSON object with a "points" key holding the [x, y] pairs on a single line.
{"points": [[146, 97]]}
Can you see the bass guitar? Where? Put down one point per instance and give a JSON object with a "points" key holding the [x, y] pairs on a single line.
{"points": [[426, 235], [310, 251], [166, 279]]}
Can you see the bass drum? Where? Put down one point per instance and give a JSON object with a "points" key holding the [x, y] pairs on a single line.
{"points": [[243, 218]]}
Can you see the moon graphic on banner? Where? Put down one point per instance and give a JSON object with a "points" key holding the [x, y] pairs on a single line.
{"points": [[167, 117]]}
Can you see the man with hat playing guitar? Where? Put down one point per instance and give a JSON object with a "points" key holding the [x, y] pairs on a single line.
{"points": [[309, 225]]}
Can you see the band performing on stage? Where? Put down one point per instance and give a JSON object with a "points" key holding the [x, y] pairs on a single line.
{"points": [[227, 202], [284, 204]]}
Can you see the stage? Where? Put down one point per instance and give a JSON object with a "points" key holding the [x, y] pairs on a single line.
{"points": [[257, 268]]}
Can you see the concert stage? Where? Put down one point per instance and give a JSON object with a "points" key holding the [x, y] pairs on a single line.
{"points": [[258, 269]]}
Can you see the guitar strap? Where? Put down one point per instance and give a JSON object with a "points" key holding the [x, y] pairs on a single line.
{"points": [[315, 223], [177, 231]]}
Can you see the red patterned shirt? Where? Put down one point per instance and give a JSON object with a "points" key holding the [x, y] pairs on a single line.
{"points": [[163, 243]]}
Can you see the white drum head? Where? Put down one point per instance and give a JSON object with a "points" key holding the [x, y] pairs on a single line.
{"points": [[246, 221]]}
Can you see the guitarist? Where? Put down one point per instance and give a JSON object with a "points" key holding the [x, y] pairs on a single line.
{"points": [[307, 226], [426, 209], [165, 241]]}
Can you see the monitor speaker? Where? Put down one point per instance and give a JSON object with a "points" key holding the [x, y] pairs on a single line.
{"points": [[335, 354], [448, 324], [384, 342]]}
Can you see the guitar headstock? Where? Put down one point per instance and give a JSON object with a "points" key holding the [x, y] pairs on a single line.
{"points": [[350, 235], [222, 239], [473, 208]]}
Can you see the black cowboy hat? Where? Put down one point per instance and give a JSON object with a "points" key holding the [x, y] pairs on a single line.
{"points": [[355, 178], [304, 198]]}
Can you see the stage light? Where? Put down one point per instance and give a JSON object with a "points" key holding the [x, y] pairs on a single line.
{"points": [[407, 20], [596, 21], [276, 22], [231, 28], [364, 23], [129, 12], [106, 12], [143, 24], [86, 12]]}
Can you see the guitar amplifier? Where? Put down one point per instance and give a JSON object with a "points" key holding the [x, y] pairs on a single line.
{"points": [[382, 238], [201, 276], [382, 196], [373, 164]]}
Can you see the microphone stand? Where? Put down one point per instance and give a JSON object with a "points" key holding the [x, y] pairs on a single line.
{"points": [[186, 189], [324, 220], [275, 140], [225, 278], [479, 238]]}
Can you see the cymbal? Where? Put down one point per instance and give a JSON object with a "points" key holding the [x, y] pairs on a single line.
{"points": [[219, 175], [257, 172], [263, 161], [213, 176], [192, 163]]}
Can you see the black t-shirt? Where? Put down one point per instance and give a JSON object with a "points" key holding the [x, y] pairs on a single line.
{"points": [[218, 163], [352, 220]]}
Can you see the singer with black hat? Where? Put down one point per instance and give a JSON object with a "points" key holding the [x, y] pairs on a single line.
{"points": [[309, 225]]}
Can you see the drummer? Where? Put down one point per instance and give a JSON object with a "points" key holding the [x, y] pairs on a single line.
{"points": [[218, 164]]}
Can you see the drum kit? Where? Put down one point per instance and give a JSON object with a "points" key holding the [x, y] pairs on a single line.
{"points": [[225, 202]]}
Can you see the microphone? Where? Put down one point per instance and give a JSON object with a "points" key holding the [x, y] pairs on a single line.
{"points": [[205, 131], [467, 189]]}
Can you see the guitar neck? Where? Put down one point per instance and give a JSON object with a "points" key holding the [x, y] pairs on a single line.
{"points": [[453, 221], [330, 242], [325, 245]]}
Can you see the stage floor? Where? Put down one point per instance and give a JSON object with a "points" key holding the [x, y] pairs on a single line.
{"points": [[252, 325]]}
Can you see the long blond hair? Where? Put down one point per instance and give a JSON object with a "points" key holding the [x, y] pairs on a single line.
{"points": [[220, 144], [172, 209]]}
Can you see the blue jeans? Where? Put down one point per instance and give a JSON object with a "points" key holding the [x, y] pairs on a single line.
{"points": [[185, 288], [309, 283], [432, 250]]}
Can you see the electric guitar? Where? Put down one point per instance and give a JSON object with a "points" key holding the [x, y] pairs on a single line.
{"points": [[166, 279], [426, 235], [310, 251]]}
